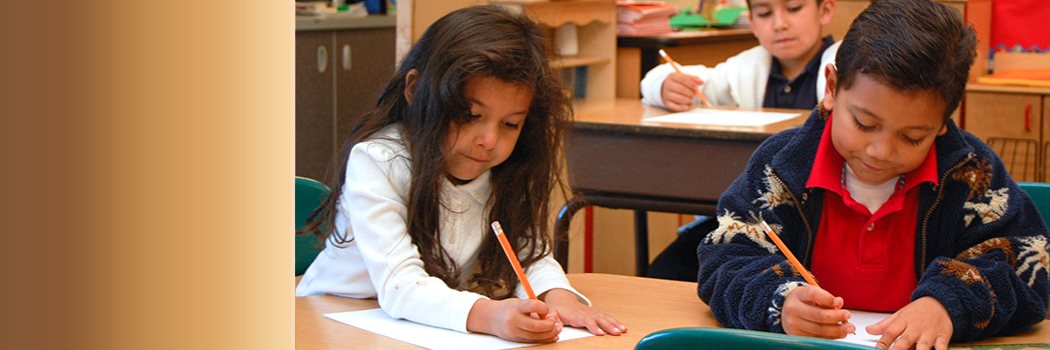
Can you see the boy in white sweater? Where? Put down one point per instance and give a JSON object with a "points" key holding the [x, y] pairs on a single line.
{"points": [[784, 71]]}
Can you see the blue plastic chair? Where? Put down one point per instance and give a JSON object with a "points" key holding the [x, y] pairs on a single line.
{"points": [[1040, 193], [309, 194], [732, 339]]}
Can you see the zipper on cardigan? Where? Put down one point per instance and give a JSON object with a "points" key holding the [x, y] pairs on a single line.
{"points": [[940, 195], [798, 206]]}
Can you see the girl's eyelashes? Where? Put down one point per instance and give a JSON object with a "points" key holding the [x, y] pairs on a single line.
{"points": [[511, 125]]}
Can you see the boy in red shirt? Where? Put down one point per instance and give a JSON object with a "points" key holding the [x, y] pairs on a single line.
{"points": [[886, 201]]}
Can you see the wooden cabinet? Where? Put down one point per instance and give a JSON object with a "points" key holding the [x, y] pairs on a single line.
{"points": [[339, 74], [595, 22], [1015, 122]]}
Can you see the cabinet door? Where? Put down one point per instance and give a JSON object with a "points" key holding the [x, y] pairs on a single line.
{"points": [[1046, 143], [314, 104], [365, 64], [1011, 124]]}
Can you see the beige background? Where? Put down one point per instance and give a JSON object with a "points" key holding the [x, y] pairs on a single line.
{"points": [[147, 185]]}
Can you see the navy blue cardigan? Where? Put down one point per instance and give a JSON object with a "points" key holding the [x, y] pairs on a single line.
{"points": [[980, 243]]}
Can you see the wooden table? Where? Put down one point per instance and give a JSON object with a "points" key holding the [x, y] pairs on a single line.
{"points": [[618, 160], [645, 305]]}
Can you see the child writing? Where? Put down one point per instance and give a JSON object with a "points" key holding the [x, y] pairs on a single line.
{"points": [[468, 131], [885, 200], [783, 72]]}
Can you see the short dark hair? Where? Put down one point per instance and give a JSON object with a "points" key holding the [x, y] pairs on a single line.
{"points": [[909, 45]]}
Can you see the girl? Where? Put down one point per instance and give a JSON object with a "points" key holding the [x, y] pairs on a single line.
{"points": [[468, 131]]}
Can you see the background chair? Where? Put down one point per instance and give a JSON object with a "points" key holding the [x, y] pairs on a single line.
{"points": [[309, 194], [726, 338], [1040, 193]]}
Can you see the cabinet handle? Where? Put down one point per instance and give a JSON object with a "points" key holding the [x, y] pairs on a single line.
{"points": [[322, 59], [346, 57], [1027, 122]]}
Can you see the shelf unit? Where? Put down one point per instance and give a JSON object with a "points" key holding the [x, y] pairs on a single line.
{"points": [[596, 36]]}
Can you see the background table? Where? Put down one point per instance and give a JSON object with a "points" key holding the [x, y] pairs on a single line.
{"points": [[618, 160]]}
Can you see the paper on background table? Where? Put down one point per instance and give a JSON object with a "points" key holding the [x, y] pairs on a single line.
{"points": [[377, 321], [862, 319], [708, 116]]}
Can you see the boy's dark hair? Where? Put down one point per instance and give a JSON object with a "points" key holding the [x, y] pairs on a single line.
{"points": [[909, 45], [474, 42]]}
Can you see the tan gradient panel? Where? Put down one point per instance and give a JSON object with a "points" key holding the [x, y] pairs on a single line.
{"points": [[153, 197]]}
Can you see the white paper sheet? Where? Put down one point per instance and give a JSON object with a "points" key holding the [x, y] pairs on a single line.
{"points": [[377, 321], [862, 319], [708, 116]]}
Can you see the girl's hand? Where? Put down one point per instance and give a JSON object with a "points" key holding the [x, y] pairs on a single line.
{"points": [[812, 311], [923, 324], [678, 91], [514, 319], [571, 311]]}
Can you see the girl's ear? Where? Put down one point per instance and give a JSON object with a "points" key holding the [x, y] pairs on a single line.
{"points": [[829, 87], [410, 84]]}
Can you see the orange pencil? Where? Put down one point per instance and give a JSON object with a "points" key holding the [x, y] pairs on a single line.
{"points": [[513, 259], [791, 257], [679, 70]]}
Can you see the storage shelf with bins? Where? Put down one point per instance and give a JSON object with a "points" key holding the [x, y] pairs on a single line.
{"points": [[595, 22]]}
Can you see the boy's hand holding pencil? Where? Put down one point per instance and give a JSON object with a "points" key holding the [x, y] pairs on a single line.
{"points": [[810, 310], [679, 88]]}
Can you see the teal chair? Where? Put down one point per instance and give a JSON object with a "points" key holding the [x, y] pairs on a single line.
{"points": [[731, 339], [1040, 193], [309, 194]]}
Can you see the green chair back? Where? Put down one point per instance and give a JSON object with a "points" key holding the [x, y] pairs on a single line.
{"points": [[309, 194], [1040, 193], [726, 338]]}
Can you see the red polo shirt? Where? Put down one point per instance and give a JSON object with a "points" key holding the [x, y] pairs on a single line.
{"points": [[867, 259]]}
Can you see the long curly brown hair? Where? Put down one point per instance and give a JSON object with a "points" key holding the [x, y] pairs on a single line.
{"points": [[480, 41]]}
